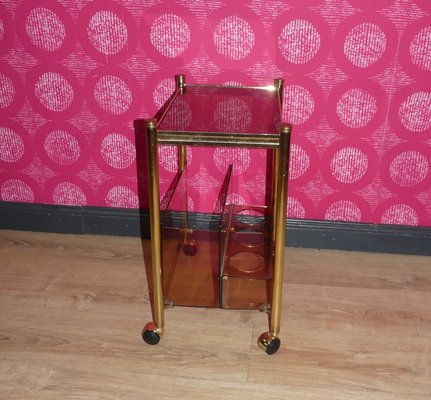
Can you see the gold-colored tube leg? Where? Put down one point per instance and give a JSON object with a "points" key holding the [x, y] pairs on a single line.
{"points": [[180, 83], [182, 157], [269, 341], [275, 173], [280, 226], [279, 84], [155, 228]]}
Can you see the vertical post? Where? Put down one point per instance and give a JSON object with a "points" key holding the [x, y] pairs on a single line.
{"points": [[180, 83], [274, 188], [155, 228], [182, 157], [280, 226], [278, 84]]}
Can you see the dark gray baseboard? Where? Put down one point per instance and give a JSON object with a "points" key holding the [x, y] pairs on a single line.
{"points": [[299, 233], [74, 220]]}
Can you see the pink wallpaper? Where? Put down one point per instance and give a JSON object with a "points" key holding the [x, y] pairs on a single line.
{"points": [[74, 75]]}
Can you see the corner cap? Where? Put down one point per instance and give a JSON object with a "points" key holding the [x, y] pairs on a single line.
{"points": [[285, 128], [151, 122]]}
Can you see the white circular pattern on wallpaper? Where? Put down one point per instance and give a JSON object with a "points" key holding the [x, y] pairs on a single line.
{"points": [[113, 95], [7, 91], [118, 151], [420, 49], [356, 108], [365, 44], [343, 210], [170, 35], [54, 91], [400, 214], [11, 144], [45, 29], [234, 38], [62, 147], [300, 104], [68, 193], [16, 190], [107, 32], [349, 165], [299, 41], [122, 197], [415, 112], [409, 168]]}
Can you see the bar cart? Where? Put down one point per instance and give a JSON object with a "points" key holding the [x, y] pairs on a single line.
{"points": [[237, 260]]}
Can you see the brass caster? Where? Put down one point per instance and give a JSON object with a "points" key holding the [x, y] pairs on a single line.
{"points": [[269, 343], [150, 334]]}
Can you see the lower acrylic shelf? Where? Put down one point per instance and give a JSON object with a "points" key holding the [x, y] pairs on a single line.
{"points": [[230, 268], [190, 268]]}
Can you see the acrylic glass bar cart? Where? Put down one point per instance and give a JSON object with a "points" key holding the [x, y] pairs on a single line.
{"points": [[237, 261]]}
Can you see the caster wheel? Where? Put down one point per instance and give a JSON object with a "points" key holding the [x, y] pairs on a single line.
{"points": [[269, 343], [150, 334]]}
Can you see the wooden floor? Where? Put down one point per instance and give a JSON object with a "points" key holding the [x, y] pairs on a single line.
{"points": [[355, 326]]}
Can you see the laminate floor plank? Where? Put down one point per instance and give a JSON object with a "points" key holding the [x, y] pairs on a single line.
{"points": [[420, 303], [351, 310], [358, 269]]}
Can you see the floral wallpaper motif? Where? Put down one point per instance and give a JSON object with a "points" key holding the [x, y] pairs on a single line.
{"points": [[75, 74]]}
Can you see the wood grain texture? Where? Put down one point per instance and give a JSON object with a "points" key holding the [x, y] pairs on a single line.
{"points": [[354, 326]]}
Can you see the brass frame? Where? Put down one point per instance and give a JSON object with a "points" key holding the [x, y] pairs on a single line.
{"points": [[280, 145]]}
